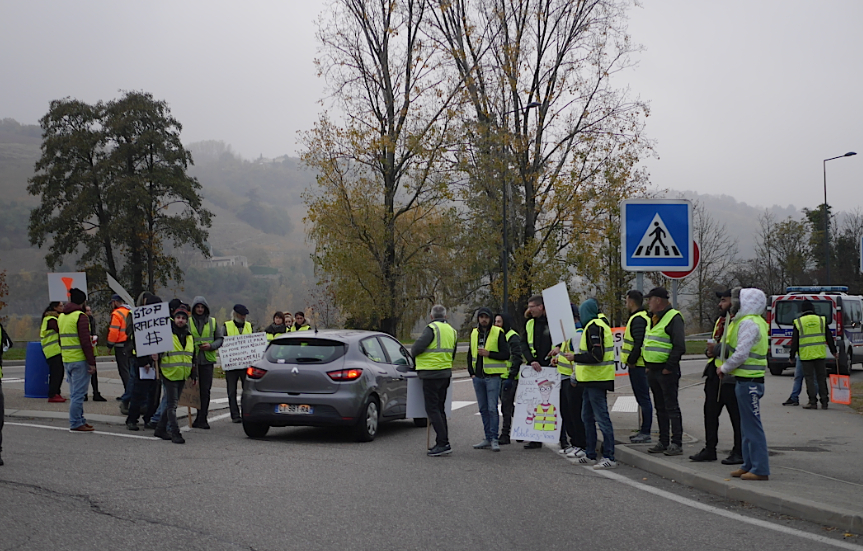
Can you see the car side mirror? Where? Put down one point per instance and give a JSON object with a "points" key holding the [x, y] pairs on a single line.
{"points": [[403, 368]]}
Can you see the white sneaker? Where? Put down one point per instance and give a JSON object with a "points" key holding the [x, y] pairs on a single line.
{"points": [[584, 459], [576, 453], [605, 463], [565, 450]]}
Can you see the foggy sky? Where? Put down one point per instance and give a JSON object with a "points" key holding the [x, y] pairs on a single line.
{"points": [[747, 97]]}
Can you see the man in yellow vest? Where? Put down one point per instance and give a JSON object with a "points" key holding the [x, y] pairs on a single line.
{"points": [[49, 335], [76, 348], [5, 344], [300, 323], [748, 340], [509, 380], [633, 342], [175, 367], [664, 345], [208, 335], [434, 353], [810, 339], [237, 326], [538, 351], [594, 371], [486, 362]]}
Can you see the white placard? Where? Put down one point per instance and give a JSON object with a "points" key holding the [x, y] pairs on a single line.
{"points": [[117, 288], [537, 406], [60, 283], [561, 322], [620, 368], [416, 406], [152, 324], [241, 351]]}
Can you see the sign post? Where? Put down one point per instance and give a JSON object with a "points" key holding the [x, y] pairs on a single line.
{"points": [[656, 235]]}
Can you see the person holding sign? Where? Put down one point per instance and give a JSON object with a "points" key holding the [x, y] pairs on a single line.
{"points": [[145, 390], [537, 353], [237, 326], [509, 380], [175, 367], [76, 349], [486, 362], [208, 338]]}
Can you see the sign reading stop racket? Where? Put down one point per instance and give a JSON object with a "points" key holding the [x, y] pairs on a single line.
{"points": [[60, 283]]}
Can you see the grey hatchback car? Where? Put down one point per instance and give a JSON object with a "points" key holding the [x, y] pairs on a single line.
{"points": [[327, 378]]}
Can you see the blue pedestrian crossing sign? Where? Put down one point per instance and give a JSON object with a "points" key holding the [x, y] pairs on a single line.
{"points": [[656, 235]]}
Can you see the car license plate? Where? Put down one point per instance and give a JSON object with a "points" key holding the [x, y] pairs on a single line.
{"points": [[295, 409]]}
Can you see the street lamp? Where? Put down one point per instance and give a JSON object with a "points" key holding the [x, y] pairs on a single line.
{"points": [[826, 223], [505, 254]]}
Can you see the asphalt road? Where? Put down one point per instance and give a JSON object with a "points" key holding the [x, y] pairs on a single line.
{"points": [[305, 488]]}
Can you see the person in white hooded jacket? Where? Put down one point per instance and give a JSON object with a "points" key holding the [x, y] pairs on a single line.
{"points": [[746, 343]]}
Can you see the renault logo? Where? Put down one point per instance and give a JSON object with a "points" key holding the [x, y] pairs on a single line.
{"points": [[295, 371]]}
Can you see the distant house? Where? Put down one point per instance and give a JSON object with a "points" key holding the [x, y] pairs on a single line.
{"points": [[224, 261]]}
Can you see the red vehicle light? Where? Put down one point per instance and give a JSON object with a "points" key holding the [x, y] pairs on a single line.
{"points": [[345, 374], [255, 373]]}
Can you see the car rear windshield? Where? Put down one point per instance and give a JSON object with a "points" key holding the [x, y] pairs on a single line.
{"points": [[304, 351], [788, 310]]}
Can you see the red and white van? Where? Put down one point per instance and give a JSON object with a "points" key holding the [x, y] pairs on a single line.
{"points": [[844, 314]]}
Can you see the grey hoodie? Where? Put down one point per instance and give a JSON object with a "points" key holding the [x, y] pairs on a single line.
{"points": [[200, 322]]}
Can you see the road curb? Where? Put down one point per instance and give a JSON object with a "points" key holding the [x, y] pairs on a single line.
{"points": [[750, 492]]}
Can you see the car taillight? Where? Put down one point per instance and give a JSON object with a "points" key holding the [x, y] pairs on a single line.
{"points": [[345, 374], [255, 373]]}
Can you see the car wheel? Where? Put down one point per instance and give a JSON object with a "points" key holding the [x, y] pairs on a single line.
{"points": [[255, 430], [421, 422], [367, 427], [776, 370]]}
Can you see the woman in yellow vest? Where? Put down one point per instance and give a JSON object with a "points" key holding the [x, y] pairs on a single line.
{"points": [[748, 341], [175, 367], [277, 327], [49, 334], [237, 326]]}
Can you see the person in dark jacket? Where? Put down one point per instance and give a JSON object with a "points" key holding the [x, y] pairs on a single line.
{"points": [[5, 344], [486, 362], [277, 327], [509, 381], [49, 334], [813, 359], [209, 336], [537, 342], [94, 377], [142, 402], [633, 342]]}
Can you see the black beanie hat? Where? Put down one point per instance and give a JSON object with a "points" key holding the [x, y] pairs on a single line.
{"points": [[77, 296]]}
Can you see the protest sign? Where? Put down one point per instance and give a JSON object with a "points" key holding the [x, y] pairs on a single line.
{"points": [[537, 406], [840, 389], [191, 395], [416, 406], [117, 288], [620, 368], [241, 351], [152, 325], [60, 283], [561, 322]]}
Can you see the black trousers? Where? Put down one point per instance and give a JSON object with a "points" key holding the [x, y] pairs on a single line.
{"points": [[2, 416], [664, 389], [231, 378], [121, 354], [816, 370], [434, 395], [717, 396], [205, 383], [507, 407], [570, 410], [94, 382], [141, 403], [55, 375]]}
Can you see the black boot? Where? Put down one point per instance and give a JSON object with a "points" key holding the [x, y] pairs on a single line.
{"points": [[98, 397], [704, 455], [734, 459], [504, 440], [177, 438]]}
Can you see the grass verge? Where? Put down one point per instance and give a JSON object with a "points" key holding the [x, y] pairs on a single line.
{"points": [[857, 397]]}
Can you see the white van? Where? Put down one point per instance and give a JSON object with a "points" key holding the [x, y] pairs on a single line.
{"points": [[844, 314]]}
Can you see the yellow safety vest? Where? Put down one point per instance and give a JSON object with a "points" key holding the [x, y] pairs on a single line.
{"points": [[628, 343], [176, 365], [604, 370], [544, 418], [207, 335], [718, 360], [505, 375], [232, 331], [70, 344], [812, 344], [564, 366], [756, 363], [50, 338], [528, 330], [304, 327], [657, 343], [441, 356], [490, 366]]}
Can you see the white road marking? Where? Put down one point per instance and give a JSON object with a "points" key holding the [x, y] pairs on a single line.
{"points": [[625, 404], [727, 514], [12, 380], [499, 412], [120, 434], [457, 404]]}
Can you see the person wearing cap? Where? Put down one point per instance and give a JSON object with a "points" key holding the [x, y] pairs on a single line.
{"points": [[633, 343], [117, 339], [76, 348], [810, 339], [300, 323], [719, 393], [237, 326], [664, 345], [748, 339], [486, 362], [537, 353], [208, 337], [175, 367]]}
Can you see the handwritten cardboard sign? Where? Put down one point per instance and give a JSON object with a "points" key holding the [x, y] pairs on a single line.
{"points": [[241, 351], [152, 324], [537, 415]]}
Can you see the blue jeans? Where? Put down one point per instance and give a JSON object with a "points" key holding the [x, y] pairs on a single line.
{"points": [[755, 457], [130, 382], [638, 382], [79, 381], [487, 391], [161, 411], [172, 391], [798, 382], [594, 411]]}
